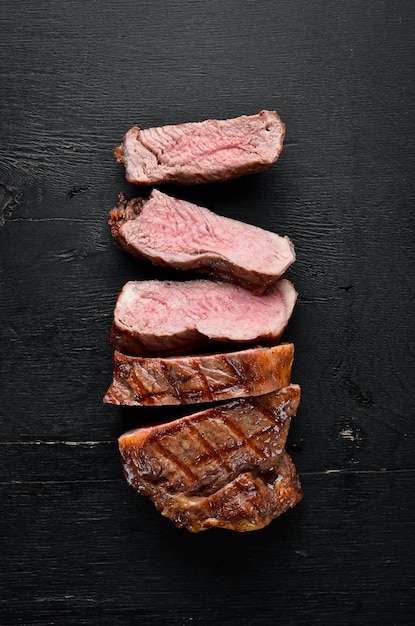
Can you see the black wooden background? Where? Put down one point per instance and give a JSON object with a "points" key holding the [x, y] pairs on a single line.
{"points": [[78, 545]]}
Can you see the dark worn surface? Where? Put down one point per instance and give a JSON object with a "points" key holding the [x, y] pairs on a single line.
{"points": [[80, 547]]}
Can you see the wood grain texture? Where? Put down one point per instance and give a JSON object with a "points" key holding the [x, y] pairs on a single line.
{"points": [[80, 547], [96, 552]]}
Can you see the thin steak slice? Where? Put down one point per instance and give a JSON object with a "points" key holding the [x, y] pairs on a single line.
{"points": [[179, 234], [221, 467], [201, 152], [199, 378], [167, 317]]}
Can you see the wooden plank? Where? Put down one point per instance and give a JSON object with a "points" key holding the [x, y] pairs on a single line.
{"points": [[341, 360], [80, 547], [94, 551]]}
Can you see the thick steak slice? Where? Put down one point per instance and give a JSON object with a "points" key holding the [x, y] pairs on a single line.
{"points": [[201, 152], [179, 234], [199, 378], [167, 317], [249, 502], [228, 455]]}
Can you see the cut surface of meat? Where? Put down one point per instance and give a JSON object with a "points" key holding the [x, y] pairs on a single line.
{"points": [[167, 317], [200, 378], [200, 152], [224, 466], [176, 233]]}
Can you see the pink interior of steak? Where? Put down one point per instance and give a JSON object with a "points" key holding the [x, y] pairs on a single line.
{"points": [[214, 140], [214, 309], [203, 147], [180, 230]]}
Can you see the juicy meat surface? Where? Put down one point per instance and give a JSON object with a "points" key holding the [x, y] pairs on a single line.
{"points": [[167, 317], [223, 467], [200, 152], [249, 502], [200, 378], [179, 234]]}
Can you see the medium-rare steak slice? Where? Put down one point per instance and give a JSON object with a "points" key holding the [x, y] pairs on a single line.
{"points": [[217, 467], [201, 152], [179, 234], [199, 378], [167, 317]]}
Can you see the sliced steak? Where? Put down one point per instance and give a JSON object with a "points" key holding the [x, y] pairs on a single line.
{"points": [[249, 502], [199, 378], [167, 317], [221, 467], [179, 234], [201, 152]]}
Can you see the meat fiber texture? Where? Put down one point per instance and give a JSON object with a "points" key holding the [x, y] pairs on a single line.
{"points": [[182, 235], [224, 467], [139, 381], [201, 152], [167, 317]]}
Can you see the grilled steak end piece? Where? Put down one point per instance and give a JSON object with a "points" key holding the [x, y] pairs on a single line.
{"points": [[201, 152], [179, 234], [249, 502], [167, 317], [224, 466], [199, 378]]}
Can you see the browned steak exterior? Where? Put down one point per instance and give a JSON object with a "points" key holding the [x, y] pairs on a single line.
{"points": [[199, 378], [222, 467], [179, 234], [200, 152], [167, 317], [249, 502]]}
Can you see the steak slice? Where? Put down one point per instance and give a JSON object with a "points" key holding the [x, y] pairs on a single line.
{"points": [[224, 466], [179, 234], [199, 378], [249, 502], [201, 152], [167, 317]]}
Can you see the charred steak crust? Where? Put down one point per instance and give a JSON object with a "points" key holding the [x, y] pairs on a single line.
{"points": [[249, 502], [200, 378], [176, 233], [201, 152], [222, 467], [155, 318]]}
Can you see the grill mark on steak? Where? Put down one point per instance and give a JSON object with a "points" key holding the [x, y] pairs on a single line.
{"points": [[241, 372], [173, 457], [241, 437], [243, 493], [179, 464], [249, 502], [209, 452], [207, 390], [170, 380]]}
